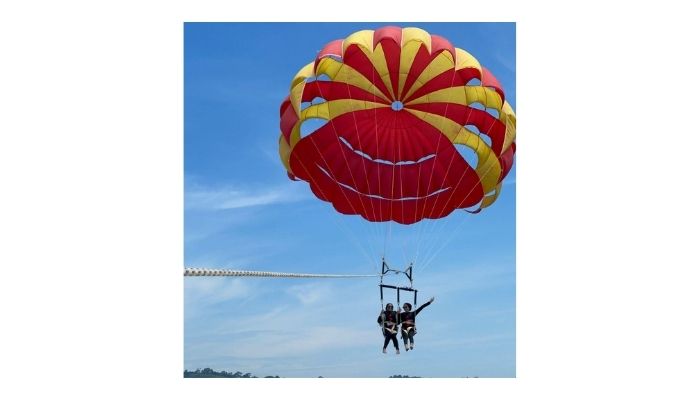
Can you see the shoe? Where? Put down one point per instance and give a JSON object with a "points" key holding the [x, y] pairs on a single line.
{"points": [[397, 351], [384, 351], [411, 346], [407, 348]]}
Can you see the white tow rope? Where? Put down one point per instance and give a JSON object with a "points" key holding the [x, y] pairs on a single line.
{"points": [[265, 274]]}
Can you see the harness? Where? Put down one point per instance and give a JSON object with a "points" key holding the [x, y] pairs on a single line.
{"points": [[385, 325]]}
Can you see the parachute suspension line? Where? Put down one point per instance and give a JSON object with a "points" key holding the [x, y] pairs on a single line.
{"points": [[403, 252], [387, 237], [348, 231], [453, 234], [445, 223], [189, 271], [454, 231], [432, 171], [343, 225]]}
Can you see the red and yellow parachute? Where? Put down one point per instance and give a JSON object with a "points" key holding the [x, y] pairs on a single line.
{"points": [[398, 103]]}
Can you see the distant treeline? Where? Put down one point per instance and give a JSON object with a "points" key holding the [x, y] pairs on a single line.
{"points": [[210, 373]]}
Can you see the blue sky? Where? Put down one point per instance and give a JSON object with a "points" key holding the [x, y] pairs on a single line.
{"points": [[242, 212]]}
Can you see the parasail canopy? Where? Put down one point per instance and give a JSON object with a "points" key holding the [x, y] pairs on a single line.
{"points": [[402, 112]]}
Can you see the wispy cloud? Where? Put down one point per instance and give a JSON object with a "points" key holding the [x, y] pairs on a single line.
{"points": [[208, 291], [471, 341], [455, 279], [298, 342], [310, 293], [506, 61], [271, 153], [227, 198]]}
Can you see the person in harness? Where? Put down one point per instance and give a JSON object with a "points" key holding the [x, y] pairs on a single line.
{"points": [[388, 321], [407, 319]]}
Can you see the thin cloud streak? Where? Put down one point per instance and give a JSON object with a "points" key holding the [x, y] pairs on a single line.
{"points": [[228, 199], [210, 291], [506, 62], [310, 293]]}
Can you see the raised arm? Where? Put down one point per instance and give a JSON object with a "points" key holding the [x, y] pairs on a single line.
{"points": [[425, 305]]}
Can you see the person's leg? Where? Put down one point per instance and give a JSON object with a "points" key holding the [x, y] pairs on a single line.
{"points": [[404, 336], [410, 337], [396, 343]]}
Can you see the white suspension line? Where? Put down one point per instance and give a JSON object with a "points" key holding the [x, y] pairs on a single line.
{"points": [[265, 274]]}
